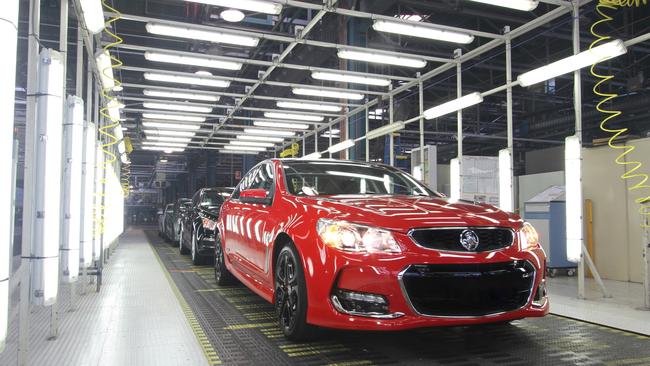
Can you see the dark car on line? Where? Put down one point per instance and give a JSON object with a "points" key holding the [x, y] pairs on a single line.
{"points": [[161, 218], [172, 221], [199, 222]]}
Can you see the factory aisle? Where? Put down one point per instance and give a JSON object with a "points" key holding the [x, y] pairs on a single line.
{"points": [[136, 318]]}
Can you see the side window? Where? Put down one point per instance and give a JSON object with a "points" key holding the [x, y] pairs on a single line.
{"points": [[196, 198], [244, 183], [263, 178]]}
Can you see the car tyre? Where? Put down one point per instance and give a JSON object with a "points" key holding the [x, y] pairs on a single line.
{"points": [[197, 259], [222, 275], [181, 247], [291, 295]]}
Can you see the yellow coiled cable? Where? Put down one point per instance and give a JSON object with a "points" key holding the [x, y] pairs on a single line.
{"points": [[631, 167]]}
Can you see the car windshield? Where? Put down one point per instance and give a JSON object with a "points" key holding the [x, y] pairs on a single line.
{"points": [[211, 199], [323, 178]]}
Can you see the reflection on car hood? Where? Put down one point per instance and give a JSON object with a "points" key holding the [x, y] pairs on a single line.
{"points": [[401, 213]]}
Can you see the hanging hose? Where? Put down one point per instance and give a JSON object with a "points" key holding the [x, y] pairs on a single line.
{"points": [[632, 168], [110, 101]]}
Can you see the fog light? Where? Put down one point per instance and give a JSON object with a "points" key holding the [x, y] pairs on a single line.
{"points": [[361, 303]]}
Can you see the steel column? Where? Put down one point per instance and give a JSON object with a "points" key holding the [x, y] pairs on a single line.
{"points": [[391, 138], [459, 114], [367, 147], [421, 111]]}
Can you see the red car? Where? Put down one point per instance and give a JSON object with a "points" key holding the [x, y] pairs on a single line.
{"points": [[354, 245]]}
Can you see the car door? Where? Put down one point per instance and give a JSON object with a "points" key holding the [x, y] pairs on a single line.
{"points": [[188, 218], [233, 217]]}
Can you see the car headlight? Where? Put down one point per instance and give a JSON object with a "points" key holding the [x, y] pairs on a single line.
{"points": [[529, 237], [356, 238], [209, 224]]}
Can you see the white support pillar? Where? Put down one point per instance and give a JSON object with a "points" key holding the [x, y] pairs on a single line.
{"points": [[367, 129], [330, 139], [316, 142], [421, 112], [506, 157], [391, 139], [459, 118]]}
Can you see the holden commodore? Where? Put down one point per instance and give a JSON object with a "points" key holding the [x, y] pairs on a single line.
{"points": [[353, 245]]}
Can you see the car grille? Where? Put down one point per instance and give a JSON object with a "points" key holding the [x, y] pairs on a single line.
{"points": [[449, 239], [467, 290]]}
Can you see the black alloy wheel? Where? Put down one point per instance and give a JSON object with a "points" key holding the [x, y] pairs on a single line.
{"points": [[222, 275], [197, 259], [291, 295], [181, 247]]}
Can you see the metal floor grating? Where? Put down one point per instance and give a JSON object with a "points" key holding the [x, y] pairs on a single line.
{"points": [[241, 330]]}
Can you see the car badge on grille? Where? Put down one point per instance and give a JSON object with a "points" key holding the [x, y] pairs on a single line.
{"points": [[469, 240]]}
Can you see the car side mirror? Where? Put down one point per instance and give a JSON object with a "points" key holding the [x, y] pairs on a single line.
{"points": [[257, 195]]}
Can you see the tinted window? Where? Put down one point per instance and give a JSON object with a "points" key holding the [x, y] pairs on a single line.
{"points": [[211, 199], [263, 178]]}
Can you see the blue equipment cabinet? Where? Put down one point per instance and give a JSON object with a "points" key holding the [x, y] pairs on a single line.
{"points": [[547, 213]]}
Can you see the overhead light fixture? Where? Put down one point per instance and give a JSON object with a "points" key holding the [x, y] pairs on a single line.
{"points": [[9, 30], [178, 126], [166, 149], [182, 79], [309, 106], [380, 58], [347, 78], [327, 93], [454, 180], [93, 15], [244, 148], [343, 145], [245, 152], [384, 130], [173, 117], [254, 131], [177, 107], [232, 15], [258, 6], [251, 143], [505, 180], [314, 155], [151, 133], [180, 94], [105, 69], [164, 143], [574, 205], [525, 5], [192, 61], [47, 171], [163, 160], [260, 138], [169, 139], [593, 56], [417, 29], [453, 105], [201, 35], [289, 125], [293, 116]]}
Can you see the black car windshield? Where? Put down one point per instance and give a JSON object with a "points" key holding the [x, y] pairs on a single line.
{"points": [[324, 178], [211, 199]]}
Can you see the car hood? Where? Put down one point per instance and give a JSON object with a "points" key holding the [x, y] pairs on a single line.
{"points": [[402, 213]]}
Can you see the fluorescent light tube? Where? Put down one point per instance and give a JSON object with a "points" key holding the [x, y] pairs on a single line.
{"points": [[525, 5], [232, 15], [454, 180], [182, 79], [380, 58], [245, 148], [173, 117], [179, 126], [309, 106], [340, 146], [254, 131], [327, 93], [177, 107], [93, 15], [347, 78], [505, 180], [105, 68], [416, 29], [258, 6], [180, 94], [164, 143], [292, 116], [169, 133], [167, 150], [224, 151], [453, 105], [251, 143], [192, 61], [574, 203], [9, 31], [169, 139], [314, 155], [289, 125], [202, 35], [384, 130], [593, 56], [260, 138]]}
